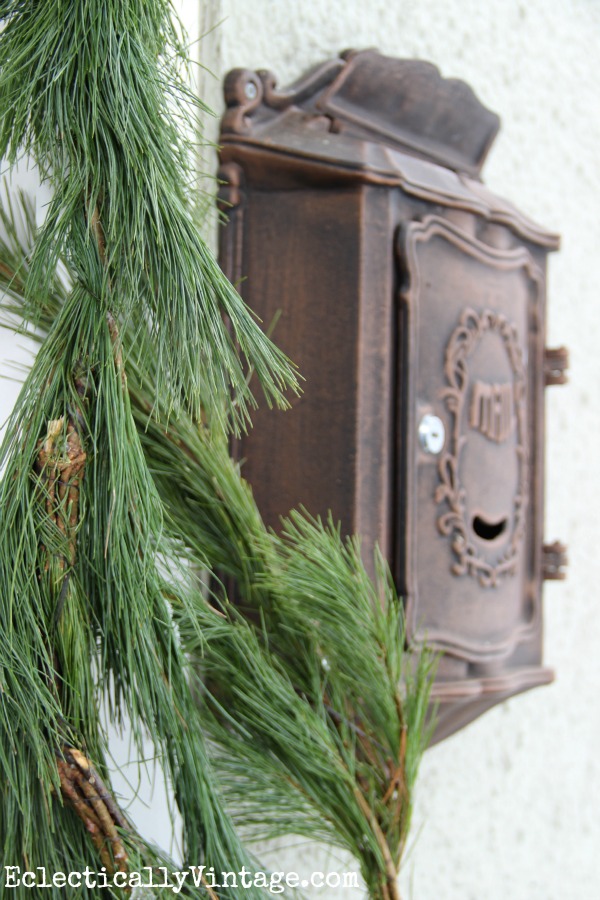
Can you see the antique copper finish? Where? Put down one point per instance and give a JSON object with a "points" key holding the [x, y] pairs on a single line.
{"points": [[404, 289]]}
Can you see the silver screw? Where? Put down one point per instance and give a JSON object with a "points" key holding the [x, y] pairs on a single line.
{"points": [[250, 90], [432, 434]]}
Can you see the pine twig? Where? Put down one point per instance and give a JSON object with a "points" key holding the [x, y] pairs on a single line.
{"points": [[86, 793], [398, 779], [389, 888], [209, 890], [82, 810]]}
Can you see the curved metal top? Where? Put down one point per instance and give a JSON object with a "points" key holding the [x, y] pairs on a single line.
{"points": [[403, 103], [375, 119]]}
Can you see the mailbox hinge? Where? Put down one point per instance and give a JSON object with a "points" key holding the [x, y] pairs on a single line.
{"points": [[554, 561], [556, 363]]}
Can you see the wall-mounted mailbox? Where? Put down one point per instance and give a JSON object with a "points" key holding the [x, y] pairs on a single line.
{"points": [[413, 300]]}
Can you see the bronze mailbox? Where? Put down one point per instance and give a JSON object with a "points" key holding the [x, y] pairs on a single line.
{"points": [[413, 300]]}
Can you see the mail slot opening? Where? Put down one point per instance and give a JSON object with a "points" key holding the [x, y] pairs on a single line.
{"points": [[486, 530]]}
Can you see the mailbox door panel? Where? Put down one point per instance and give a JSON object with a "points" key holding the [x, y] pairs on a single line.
{"points": [[471, 559]]}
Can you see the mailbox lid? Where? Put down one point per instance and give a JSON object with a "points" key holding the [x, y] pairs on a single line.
{"points": [[403, 103], [365, 117]]}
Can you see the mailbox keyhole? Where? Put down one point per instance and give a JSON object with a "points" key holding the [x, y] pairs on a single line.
{"points": [[488, 531]]}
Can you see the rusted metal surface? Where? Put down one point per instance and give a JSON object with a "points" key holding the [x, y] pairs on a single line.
{"points": [[413, 300]]}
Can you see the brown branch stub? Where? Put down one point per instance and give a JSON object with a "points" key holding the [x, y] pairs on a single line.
{"points": [[90, 773], [87, 795], [79, 805], [60, 464]]}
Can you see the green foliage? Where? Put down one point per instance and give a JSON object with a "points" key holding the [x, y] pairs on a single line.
{"points": [[102, 627], [319, 716], [316, 714], [96, 93], [295, 711]]}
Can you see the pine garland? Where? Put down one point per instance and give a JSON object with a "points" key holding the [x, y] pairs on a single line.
{"points": [[118, 487]]}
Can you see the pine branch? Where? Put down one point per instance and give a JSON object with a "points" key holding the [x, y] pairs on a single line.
{"points": [[96, 94], [318, 716], [355, 792], [61, 470], [85, 94], [325, 663]]}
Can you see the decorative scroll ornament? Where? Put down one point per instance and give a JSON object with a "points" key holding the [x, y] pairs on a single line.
{"points": [[454, 521], [404, 103]]}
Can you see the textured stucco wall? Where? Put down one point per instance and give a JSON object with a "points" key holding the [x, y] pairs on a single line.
{"points": [[509, 806]]}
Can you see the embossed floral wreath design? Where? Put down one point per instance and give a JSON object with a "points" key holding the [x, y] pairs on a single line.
{"points": [[461, 345]]}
